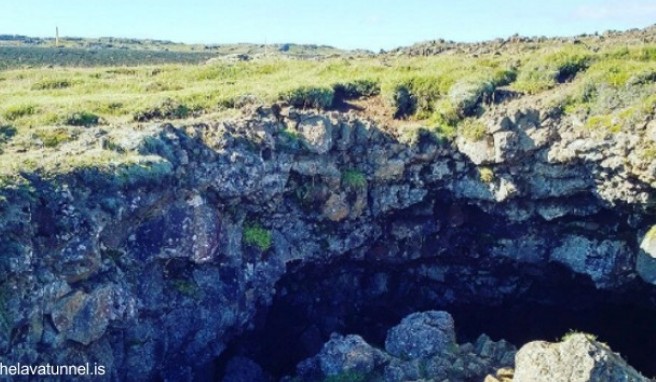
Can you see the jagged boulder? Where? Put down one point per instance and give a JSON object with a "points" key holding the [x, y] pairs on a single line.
{"points": [[316, 134], [479, 152], [422, 348], [648, 243], [341, 355], [464, 362], [579, 358], [646, 259], [84, 318], [422, 335]]}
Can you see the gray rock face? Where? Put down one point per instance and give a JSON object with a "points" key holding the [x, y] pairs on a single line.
{"points": [[170, 259], [648, 243], [479, 152], [341, 355], [597, 259], [317, 134], [577, 359], [464, 362], [434, 355], [348, 354], [422, 335], [83, 318], [646, 259]]}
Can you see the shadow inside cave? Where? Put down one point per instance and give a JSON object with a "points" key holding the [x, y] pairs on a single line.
{"points": [[351, 297]]}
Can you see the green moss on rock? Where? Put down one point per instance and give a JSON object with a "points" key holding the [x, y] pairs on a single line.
{"points": [[256, 236]]}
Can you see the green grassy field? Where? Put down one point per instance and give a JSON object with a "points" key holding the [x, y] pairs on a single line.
{"points": [[38, 97], [21, 51], [44, 111]]}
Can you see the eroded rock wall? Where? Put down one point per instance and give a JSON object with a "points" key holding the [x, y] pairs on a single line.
{"points": [[154, 269]]}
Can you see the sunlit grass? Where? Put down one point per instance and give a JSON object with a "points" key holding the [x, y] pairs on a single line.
{"points": [[117, 94], [611, 88]]}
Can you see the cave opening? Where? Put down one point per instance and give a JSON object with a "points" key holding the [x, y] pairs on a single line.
{"points": [[518, 304]]}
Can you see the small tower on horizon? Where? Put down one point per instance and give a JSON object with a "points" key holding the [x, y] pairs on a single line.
{"points": [[56, 36]]}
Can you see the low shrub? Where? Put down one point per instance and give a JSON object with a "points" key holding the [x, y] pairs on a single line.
{"points": [[309, 97], [415, 135], [356, 89], [445, 114], [426, 90], [246, 100], [419, 96], [504, 76], [402, 101], [465, 95], [152, 172], [82, 118], [179, 111], [15, 112], [168, 109]]}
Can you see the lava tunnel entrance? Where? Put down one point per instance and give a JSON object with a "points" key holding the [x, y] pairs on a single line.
{"points": [[518, 304]]}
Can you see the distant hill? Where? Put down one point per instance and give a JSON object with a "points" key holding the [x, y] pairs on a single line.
{"points": [[517, 43], [22, 51]]}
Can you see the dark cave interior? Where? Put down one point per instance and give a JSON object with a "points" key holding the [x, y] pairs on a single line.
{"points": [[351, 297], [500, 297]]}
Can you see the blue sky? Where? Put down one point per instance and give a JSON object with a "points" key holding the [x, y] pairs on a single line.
{"points": [[372, 24]]}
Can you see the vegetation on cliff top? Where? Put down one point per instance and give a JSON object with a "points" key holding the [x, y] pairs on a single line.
{"points": [[610, 86], [44, 96]]}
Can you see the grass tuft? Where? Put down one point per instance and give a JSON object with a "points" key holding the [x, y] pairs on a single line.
{"points": [[51, 84], [486, 175], [472, 129], [257, 236], [52, 138], [354, 179]]}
